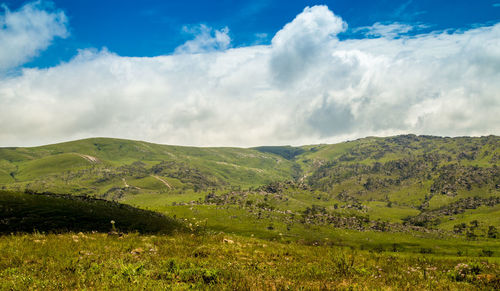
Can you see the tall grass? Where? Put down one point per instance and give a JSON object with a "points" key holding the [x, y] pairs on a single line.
{"points": [[218, 262]]}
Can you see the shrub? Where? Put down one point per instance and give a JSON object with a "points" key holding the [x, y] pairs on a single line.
{"points": [[486, 253], [426, 251], [344, 264]]}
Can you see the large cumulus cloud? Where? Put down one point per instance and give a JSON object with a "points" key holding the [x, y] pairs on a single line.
{"points": [[307, 86]]}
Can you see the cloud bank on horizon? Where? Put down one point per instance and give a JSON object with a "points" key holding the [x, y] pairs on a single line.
{"points": [[307, 86]]}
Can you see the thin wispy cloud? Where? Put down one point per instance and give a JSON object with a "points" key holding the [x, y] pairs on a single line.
{"points": [[307, 86], [402, 8], [386, 30]]}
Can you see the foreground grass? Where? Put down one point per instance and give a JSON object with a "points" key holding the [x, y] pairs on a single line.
{"points": [[216, 261]]}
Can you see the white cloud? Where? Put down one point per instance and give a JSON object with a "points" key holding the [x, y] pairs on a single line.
{"points": [[26, 32], [301, 44], [206, 40], [391, 30], [306, 87]]}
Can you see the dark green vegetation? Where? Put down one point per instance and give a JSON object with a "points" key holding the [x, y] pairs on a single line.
{"points": [[287, 152], [23, 212], [390, 200]]}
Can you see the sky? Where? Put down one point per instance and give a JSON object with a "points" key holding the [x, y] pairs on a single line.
{"points": [[247, 73]]}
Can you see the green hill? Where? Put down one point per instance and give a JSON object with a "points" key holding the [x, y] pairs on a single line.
{"points": [[384, 184], [99, 165], [407, 172]]}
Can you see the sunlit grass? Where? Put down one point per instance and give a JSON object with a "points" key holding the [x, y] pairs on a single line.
{"points": [[99, 261]]}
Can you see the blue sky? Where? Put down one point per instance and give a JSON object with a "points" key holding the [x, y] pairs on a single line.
{"points": [[234, 73], [151, 28]]}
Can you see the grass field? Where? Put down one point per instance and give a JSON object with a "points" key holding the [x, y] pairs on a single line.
{"points": [[227, 262]]}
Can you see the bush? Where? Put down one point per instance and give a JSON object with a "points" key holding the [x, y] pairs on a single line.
{"points": [[465, 272], [426, 251], [486, 253]]}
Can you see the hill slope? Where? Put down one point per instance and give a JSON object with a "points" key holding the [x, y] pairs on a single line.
{"points": [[451, 184], [113, 167]]}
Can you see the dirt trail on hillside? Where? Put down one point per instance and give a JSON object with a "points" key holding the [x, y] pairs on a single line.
{"points": [[125, 182], [91, 159], [163, 181]]}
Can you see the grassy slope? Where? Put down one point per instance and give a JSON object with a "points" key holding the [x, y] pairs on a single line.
{"points": [[47, 165], [234, 166], [406, 197], [59, 168], [404, 145]]}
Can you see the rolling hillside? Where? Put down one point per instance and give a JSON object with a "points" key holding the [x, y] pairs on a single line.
{"points": [[385, 184], [112, 168]]}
